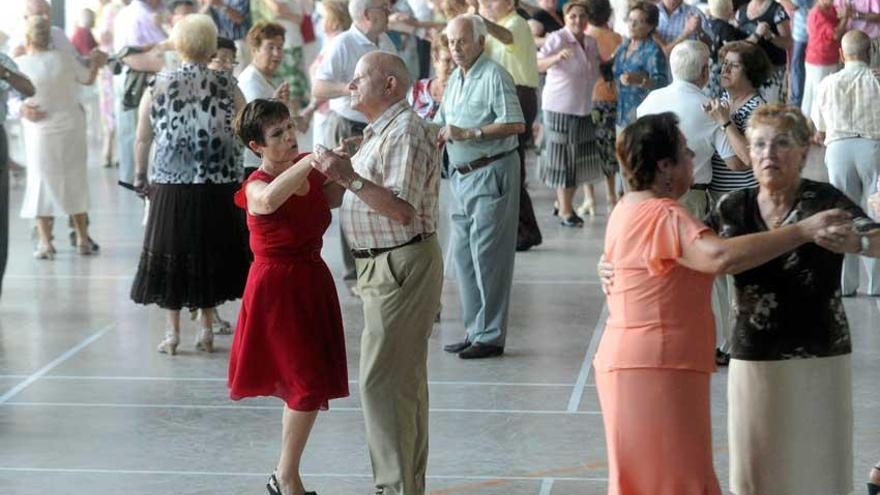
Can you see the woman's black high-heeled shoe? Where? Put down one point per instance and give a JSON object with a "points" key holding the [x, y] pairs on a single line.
{"points": [[274, 489]]}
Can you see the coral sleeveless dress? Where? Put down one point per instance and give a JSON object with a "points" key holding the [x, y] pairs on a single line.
{"points": [[289, 341]]}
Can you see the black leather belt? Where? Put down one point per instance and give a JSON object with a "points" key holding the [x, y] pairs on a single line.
{"points": [[467, 168], [372, 253], [700, 187]]}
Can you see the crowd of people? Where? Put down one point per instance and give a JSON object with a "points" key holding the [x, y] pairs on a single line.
{"points": [[243, 123]]}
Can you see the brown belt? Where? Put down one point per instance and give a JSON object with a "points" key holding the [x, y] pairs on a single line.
{"points": [[467, 168], [372, 253]]}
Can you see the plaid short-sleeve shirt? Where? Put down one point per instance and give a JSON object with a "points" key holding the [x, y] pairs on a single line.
{"points": [[397, 153]]}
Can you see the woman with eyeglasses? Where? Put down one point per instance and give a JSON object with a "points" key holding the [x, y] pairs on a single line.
{"points": [[789, 389], [639, 62], [655, 358], [744, 67]]}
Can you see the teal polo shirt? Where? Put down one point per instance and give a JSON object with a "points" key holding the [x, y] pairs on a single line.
{"points": [[486, 95]]}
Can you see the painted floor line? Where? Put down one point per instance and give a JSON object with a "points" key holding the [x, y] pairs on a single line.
{"points": [[123, 405], [574, 402], [55, 363]]}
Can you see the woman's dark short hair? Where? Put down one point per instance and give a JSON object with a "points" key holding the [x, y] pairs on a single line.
{"points": [[251, 123], [598, 11], [755, 62], [651, 12], [225, 43], [643, 144]]}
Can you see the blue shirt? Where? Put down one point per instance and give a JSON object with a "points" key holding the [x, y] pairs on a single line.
{"points": [[648, 58], [228, 29], [799, 22], [485, 95], [5, 87], [672, 25]]}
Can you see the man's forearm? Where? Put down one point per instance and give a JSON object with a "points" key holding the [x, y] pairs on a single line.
{"points": [[326, 90], [498, 131], [20, 83], [145, 62], [384, 202], [498, 32]]}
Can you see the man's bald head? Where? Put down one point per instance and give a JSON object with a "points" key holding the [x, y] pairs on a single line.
{"points": [[389, 65], [380, 80], [855, 45]]}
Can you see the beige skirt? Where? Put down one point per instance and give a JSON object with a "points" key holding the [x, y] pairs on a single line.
{"points": [[790, 426]]}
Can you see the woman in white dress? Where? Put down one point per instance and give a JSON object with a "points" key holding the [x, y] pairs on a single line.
{"points": [[55, 143]]}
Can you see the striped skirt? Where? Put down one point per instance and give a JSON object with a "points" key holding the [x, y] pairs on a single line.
{"points": [[570, 155]]}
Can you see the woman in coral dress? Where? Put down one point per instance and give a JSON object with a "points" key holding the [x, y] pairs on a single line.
{"points": [[289, 341]]}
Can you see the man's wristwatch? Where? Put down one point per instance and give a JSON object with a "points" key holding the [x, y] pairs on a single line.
{"points": [[356, 185], [865, 244], [478, 134]]}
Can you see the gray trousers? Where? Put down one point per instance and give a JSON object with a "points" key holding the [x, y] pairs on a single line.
{"points": [[484, 216], [853, 167], [4, 203], [126, 129]]}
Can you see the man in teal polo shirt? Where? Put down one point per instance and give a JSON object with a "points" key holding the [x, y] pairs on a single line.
{"points": [[481, 118]]}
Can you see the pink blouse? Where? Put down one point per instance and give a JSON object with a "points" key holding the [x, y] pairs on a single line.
{"points": [[569, 85]]}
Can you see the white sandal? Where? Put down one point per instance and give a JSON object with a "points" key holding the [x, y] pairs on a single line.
{"points": [[205, 340], [170, 343]]}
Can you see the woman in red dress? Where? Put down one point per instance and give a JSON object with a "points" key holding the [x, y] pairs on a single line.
{"points": [[289, 341]]}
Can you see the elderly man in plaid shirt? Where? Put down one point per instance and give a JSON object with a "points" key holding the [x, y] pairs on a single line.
{"points": [[389, 214]]}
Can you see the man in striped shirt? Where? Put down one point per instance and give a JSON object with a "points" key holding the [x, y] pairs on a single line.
{"points": [[389, 215]]}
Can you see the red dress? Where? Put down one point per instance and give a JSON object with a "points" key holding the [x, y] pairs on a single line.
{"points": [[289, 341]]}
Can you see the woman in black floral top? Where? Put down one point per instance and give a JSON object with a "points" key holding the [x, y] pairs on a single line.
{"points": [[790, 383], [195, 242]]}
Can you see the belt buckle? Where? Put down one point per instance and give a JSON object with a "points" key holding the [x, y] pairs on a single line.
{"points": [[466, 168]]}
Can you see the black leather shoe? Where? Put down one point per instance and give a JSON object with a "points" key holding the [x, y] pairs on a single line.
{"points": [[480, 351], [526, 245], [457, 347]]}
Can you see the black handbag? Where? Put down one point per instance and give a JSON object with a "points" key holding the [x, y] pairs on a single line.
{"points": [[136, 82]]}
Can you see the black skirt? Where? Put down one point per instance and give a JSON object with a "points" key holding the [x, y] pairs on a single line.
{"points": [[195, 247]]}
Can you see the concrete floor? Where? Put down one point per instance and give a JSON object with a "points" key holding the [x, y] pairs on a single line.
{"points": [[88, 407]]}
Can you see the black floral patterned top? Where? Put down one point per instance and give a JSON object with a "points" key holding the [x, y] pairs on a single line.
{"points": [[192, 114], [789, 307]]}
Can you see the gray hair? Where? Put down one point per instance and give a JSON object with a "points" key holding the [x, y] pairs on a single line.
{"points": [[722, 9], [855, 43], [195, 37], [357, 9], [478, 27], [688, 59]]}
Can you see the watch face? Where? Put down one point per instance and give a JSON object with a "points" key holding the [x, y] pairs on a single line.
{"points": [[356, 185]]}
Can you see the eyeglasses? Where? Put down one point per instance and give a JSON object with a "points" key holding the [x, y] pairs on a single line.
{"points": [[731, 65], [637, 22], [780, 143]]}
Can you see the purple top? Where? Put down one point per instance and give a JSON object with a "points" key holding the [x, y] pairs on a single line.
{"points": [[569, 85], [136, 25]]}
